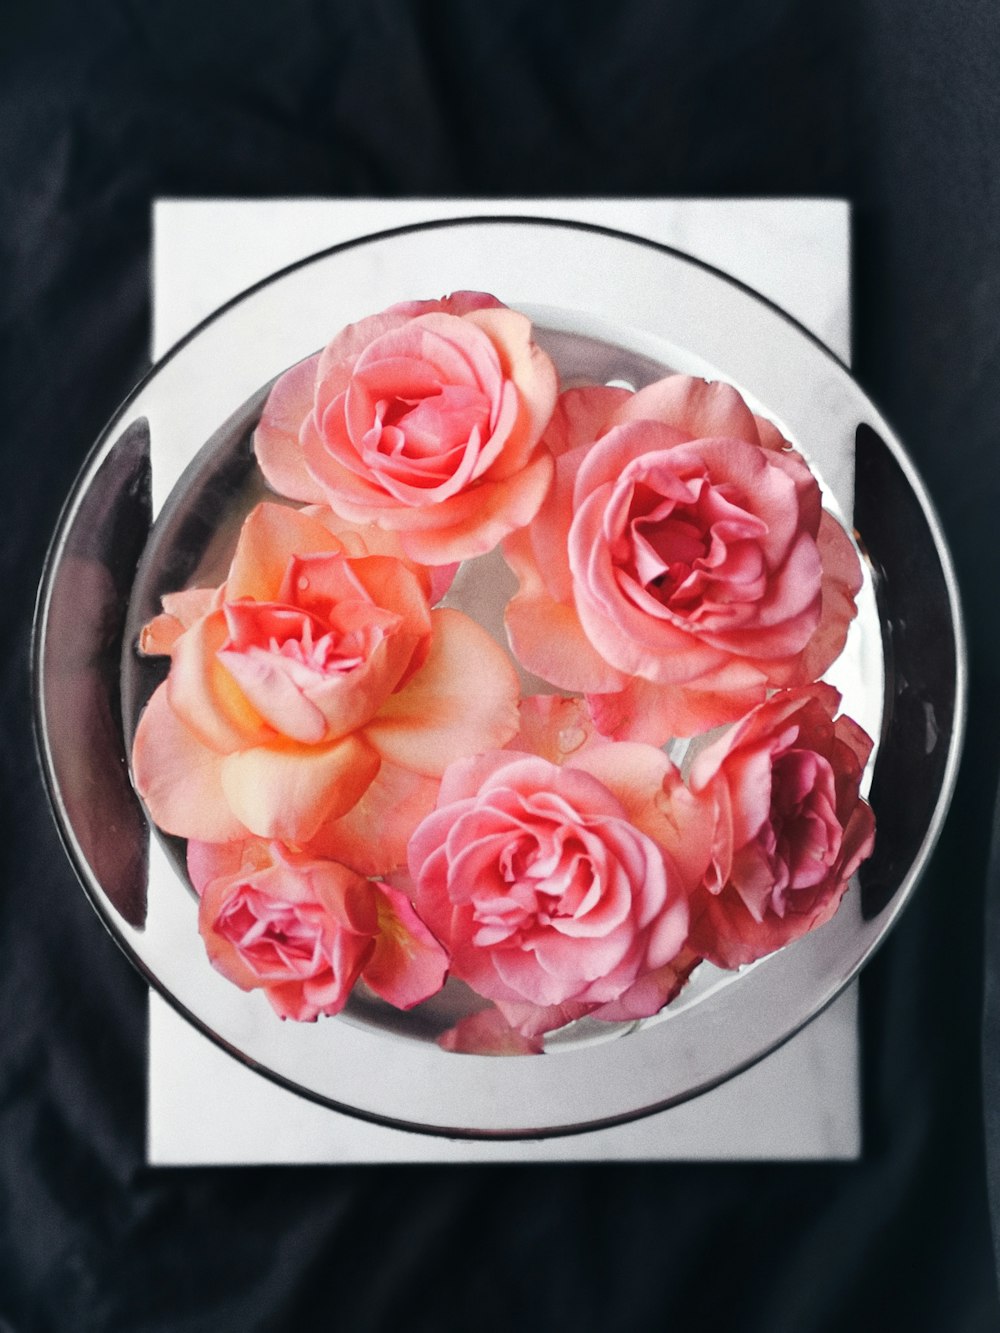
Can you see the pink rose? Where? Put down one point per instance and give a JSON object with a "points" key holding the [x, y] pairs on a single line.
{"points": [[775, 818], [425, 419], [544, 887], [314, 697], [304, 930], [681, 565]]}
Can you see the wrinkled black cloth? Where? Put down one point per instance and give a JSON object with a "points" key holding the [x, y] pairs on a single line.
{"points": [[104, 106]]}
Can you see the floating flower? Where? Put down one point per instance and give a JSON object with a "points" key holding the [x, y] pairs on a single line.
{"points": [[681, 565], [544, 887], [425, 419], [775, 817], [314, 697], [304, 929]]}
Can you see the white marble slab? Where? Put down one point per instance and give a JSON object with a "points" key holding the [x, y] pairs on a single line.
{"points": [[803, 1101]]}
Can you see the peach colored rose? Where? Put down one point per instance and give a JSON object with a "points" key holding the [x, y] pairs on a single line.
{"points": [[544, 887], [681, 565], [314, 697], [425, 419], [774, 816], [304, 929]]}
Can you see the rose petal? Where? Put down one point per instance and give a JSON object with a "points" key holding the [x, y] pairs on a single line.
{"points": [[488, 1033], [529, 368], [842, 581], [270, 537], [644, 710], [408, 964], [463, 699], [204, 694], [288, 793], [179, 778], [698, 409], [372, 837], [652, 992], [180, 611], [553, 727], [276, 439], [211, 860]]}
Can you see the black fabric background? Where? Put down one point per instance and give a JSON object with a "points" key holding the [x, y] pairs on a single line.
{"points": [[106, 104]]}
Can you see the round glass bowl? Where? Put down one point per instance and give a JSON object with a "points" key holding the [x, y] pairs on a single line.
{"points": [[158, 506]]}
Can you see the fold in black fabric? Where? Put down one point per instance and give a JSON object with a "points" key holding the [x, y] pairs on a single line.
{"points": [[103, 107]]}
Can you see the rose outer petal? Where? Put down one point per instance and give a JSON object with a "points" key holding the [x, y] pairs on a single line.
{"points": [[489, 1033], [372, 837], [276, 439], [179, 778], [462, 700], [699, 409], [271, 535], [288, 793], [475, 522], [408, 964]]}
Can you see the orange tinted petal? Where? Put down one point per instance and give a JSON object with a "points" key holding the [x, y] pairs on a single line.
{"points": [[372, 837], [287, 793], [203, 693], [271, 535], [179, 778], [463, 700]]}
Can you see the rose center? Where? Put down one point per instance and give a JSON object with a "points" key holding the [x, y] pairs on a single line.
{"points": [[268, 935], [802, 839], [688, 553], [547, 876], [421, 440], [300, 643]]}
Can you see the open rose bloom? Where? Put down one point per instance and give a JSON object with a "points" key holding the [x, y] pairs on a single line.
{"points": [[682, 564], [425, 420], [369, 800]]}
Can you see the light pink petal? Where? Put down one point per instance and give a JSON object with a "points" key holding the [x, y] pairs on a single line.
{"points": [[699, 409], [475, 522], [337, 359], [288, 793], [582, 415], [651, 992], [276, 439], [408, 964], [524, 362], [179, 778], [841, 584], [373, 836], [617, 448], [212, 860], [462, 700], [488, 1033]]}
